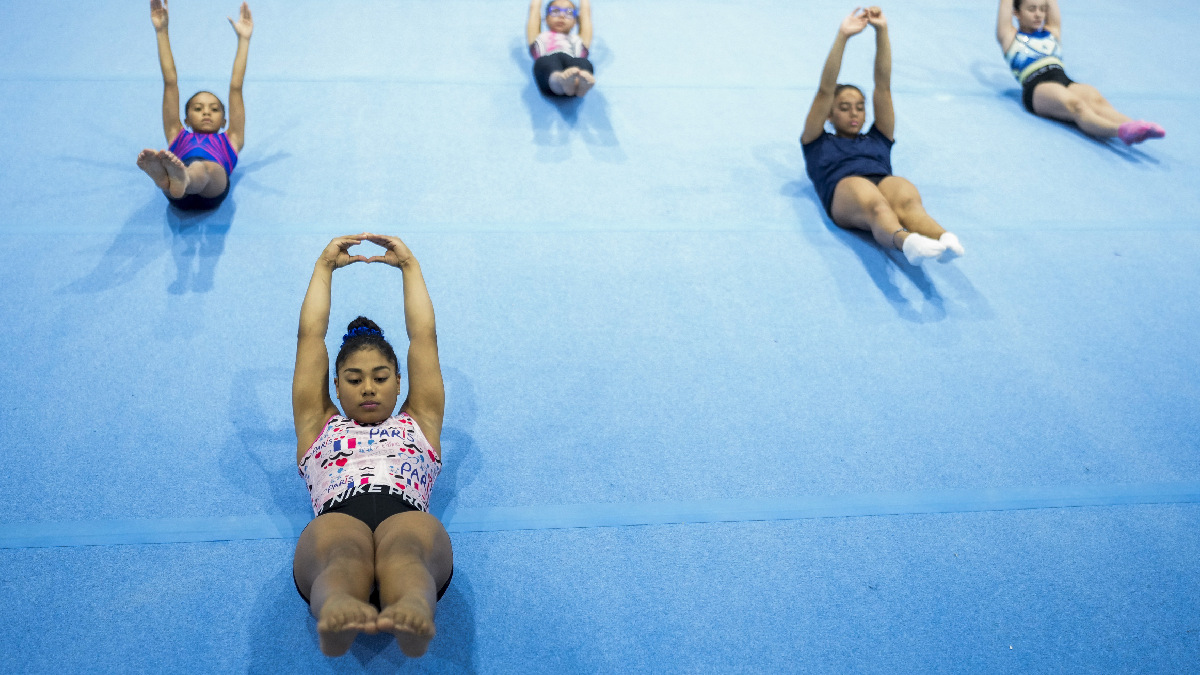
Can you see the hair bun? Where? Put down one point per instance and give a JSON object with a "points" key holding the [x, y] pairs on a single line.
{"points": [[363, 322]]}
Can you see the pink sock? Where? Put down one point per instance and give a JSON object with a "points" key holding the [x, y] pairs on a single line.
{"points": [[1136, 131]]}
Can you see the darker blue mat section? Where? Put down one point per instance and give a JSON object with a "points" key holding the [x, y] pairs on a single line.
{"points": [[1093, 589]]}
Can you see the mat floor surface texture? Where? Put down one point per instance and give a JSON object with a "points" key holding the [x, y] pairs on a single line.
{"points": [[691, 425]]}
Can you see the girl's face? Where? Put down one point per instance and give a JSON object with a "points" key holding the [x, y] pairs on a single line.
{"points": [[205, 114], [367, 386], [1032, 15], [849, 113], [560, 16]]}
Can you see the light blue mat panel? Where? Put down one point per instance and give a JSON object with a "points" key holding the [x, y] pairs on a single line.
{"points": [[692, 426]]}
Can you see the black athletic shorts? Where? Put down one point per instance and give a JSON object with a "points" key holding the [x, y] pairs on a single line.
{"points": [[373, 508], [1051, 73], [196, 202]]}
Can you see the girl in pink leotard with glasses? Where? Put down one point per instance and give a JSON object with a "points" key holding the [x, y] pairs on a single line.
{"points": [[561, 66]]}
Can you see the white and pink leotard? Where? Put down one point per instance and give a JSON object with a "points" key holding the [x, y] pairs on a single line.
{"points": [[349, 459]]}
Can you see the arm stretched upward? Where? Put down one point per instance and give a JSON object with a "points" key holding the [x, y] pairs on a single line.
{"points": [[885, 115], [244, 27], [1054, 19], [585, 23], [170, 107], [533, 25], [426, 400], [311, 405], [822, 104]]}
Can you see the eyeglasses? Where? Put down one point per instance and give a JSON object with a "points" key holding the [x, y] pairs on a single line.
{"points": [[566, 12]]}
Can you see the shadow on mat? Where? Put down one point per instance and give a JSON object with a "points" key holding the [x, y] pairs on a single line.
{"points": [[259, 461], [1001, 81], [196, 240], [555, 119]]}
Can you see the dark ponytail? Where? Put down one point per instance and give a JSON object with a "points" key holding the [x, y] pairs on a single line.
{"points": [[363, 333]]}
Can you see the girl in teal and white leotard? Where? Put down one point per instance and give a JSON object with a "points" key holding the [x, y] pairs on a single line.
{"points": [[1033, 50]]}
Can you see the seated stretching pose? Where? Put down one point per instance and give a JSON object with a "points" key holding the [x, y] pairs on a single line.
{"points": [[560, 64], [852, 172], [1034, 53], [373, 560], [194, 171]]}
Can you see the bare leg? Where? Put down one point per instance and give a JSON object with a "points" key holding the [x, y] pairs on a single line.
{"points": [[206, 179], [1051, 99], [1099, 104], [905, 200], [585, 82], [413, 558], [858, 204], [334, 564]]}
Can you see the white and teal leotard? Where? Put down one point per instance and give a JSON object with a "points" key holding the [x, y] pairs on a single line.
{"points": [[1031, 52]]}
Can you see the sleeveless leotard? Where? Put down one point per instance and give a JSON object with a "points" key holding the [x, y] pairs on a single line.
{"points": [[210, 147], [349, 459], [549, 42], [1031, 52]]}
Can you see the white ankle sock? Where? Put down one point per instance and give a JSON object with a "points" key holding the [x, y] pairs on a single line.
{"points": [[954, 248], [918, 248]]}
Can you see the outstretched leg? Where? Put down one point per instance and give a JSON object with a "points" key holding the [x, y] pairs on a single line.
{"points": [[1053, 100], [858, 204], [1098, 103], [905, 200], [413, 558], [334, 566]]}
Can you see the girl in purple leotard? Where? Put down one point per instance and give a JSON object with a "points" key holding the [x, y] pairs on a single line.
{"points": [[194, 171]]}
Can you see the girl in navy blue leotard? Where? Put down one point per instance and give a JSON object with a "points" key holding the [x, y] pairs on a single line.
{"points": [[852, 171], [1034, 52]]}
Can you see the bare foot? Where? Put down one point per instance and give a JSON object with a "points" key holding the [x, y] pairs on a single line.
{"points": [[343, 617], [410, 619], [176, 173], [570, 81], [586, 81], [148, 161]]}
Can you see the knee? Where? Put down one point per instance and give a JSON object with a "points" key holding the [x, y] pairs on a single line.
{"points": [[880, 210], [1075, 105]]}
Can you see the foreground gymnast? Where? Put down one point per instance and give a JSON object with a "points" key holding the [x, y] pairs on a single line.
{"points": [[560, 64], [852, 172], [373, 560], [1034, 53], [194, 171]]}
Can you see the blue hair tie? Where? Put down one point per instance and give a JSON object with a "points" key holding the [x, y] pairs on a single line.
{"points": [[361, 330]]}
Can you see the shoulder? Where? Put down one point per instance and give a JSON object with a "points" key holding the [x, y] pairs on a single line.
{"points": [[819, 140], [875, 133]]}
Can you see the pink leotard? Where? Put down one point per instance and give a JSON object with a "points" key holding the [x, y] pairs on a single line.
{"points": [[548, 42], [349, 459], [210, 147]]}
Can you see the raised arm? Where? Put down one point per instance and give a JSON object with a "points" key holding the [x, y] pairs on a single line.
{"points": [[244, 27], [426, 400], [311, 405], [885, 115], [534, 25], [814, 125], [1054, 20], [170, 108], [585, 23], [1006, 32]]}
